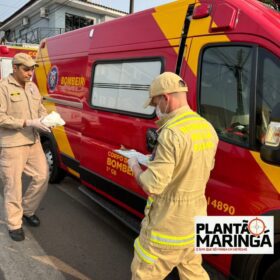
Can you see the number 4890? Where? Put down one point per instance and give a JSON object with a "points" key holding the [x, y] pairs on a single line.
{"points": [[221, 206]]}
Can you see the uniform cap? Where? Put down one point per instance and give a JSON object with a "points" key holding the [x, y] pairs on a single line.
{"points": [[165, 83], [24, 59]]}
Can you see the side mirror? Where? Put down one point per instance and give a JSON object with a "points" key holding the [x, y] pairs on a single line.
{"points": [[151, 139], [270, 151]]}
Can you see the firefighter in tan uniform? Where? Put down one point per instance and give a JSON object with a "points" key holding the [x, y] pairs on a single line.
{"points": [[175, 182], [21, 112]]}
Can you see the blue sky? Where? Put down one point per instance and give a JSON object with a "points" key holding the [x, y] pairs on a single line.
{"points": [[138, 4], [9, 7]]}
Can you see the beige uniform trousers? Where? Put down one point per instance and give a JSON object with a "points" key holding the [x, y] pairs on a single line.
{"points": [[28, 159], [187, 262]]}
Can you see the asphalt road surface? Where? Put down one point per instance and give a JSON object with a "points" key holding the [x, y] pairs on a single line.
{"points": [[77, 240]]}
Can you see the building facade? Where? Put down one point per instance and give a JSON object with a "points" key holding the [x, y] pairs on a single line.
{"points": [[39, 19]]}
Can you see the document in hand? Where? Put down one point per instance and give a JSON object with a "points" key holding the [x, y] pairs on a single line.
{"points": [[143, 159]]}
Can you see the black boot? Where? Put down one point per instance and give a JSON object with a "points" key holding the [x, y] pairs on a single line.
{"points": [[17, 234], [33, 220]]}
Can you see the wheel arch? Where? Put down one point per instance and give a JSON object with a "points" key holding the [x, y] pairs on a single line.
{"points": [[58, 173], [44, 136]]}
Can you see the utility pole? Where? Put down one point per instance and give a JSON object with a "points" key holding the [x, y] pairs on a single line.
{"points": [[131, 6]]}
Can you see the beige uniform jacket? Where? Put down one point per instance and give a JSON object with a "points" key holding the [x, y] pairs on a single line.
{"points": [[176, 179], [17, 105]]}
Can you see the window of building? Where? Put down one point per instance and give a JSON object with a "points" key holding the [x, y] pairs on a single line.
{"points": [[123, 86], [225, 91], [74, 22]]}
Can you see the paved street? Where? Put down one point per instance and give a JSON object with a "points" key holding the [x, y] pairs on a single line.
{"points": [[76, 240]]}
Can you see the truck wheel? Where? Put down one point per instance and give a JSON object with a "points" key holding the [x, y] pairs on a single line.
{"points": [[56, 173], [272, 271]]}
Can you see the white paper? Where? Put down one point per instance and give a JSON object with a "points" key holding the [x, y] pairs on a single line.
{"points": [[272, 137], [142, 159], [53, 119]]}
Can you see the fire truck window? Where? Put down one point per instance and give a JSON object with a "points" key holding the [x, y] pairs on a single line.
{"points": [[225, 91], [268, 90], [6, 67], [124, 86]]}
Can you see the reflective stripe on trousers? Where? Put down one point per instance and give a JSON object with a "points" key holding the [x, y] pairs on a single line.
{"points": [[150, 200], [172, 240], [143, 254]]}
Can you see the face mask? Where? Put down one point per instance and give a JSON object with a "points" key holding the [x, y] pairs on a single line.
{"points": [[159, 114]]}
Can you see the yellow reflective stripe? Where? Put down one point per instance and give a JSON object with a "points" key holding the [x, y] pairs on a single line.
{"points": [[194, 126], [196, 136], [185, 120], [163, 239], [178, 118], [198, 132], [149, 202], [143, 254], [203, 146], [182, 116]]}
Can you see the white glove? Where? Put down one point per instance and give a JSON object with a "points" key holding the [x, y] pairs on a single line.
{"points": [[36, 123], [132, 162]]}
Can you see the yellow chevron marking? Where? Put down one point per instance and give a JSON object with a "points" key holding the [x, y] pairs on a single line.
{"points": [[188, 48], [200, 26], [271, 171], [175, 13], [41, 73], [171, 22]]}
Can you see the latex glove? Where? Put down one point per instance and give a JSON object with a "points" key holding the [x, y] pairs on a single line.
{"points": [[132, 162], [36, 123]]}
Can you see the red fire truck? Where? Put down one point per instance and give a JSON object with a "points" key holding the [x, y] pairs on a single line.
{"points": [[7, 52], [228, 51]]}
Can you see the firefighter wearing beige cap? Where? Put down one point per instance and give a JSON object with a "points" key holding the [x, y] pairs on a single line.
{"points": [[21, 112], [175, 182]]}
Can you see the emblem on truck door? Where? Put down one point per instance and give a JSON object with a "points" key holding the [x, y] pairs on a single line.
{"points": [[53, 78]]}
